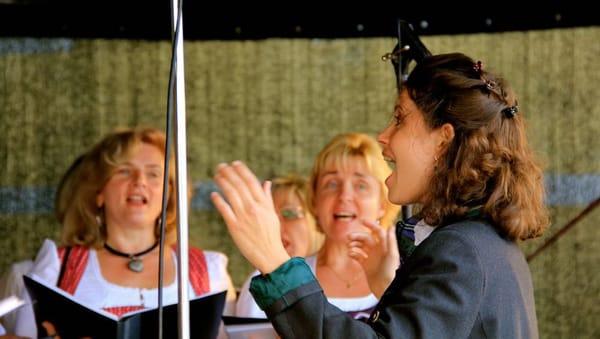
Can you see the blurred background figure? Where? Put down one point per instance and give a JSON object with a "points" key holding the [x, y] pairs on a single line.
{"points": [[109, 203], [11, 282], [346, 190], [299, 234]]}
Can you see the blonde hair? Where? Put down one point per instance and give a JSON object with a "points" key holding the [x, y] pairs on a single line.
{"points": [[82, 183], [340, 150], [294, 184]]}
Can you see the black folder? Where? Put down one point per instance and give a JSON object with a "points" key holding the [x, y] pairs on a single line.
{"points": [[75, 320]]}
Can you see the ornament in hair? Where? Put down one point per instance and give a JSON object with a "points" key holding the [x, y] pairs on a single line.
{"points": [[511, 111], [478, 67]]}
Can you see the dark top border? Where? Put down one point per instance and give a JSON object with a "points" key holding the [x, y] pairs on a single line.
{"points": [[151, 20]]}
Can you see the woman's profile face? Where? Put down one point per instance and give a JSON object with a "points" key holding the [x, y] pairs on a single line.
{"points": [[346, 195], [132, 196], [294, 224], [410, 147]]}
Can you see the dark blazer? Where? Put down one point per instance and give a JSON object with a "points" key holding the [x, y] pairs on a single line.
{"points": [[463, 281]]}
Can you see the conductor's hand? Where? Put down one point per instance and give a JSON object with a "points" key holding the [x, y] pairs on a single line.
{"points": [[377, 253], [247, 208]]}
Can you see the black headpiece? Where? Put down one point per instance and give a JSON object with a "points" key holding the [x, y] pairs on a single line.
{"points": [[408, 48]]}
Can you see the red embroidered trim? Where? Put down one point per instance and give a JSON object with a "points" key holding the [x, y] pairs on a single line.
{"points": [[76, 264], [120, 310], [198, 271]]}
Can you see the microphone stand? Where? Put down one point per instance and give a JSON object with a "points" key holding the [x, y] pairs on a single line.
{"points": [[177, 90], [181, 168]]}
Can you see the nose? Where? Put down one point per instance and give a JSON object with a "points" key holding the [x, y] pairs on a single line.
{"points": [[347, 191], [383, 136], [284, 234], [139, 178]]}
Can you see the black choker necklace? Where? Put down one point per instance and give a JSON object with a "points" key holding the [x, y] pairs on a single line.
{"points": [[135, 262]]}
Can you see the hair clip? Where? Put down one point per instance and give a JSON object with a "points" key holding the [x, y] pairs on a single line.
{"points": [[510, 112], [490, 84], [478, 67], [393, 57]]}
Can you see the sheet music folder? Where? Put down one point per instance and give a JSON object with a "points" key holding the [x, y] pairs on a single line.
{"points": [[75, 320]]}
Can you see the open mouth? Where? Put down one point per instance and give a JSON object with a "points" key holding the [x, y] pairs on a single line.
{"points": [[137, 199], [344, 216]]}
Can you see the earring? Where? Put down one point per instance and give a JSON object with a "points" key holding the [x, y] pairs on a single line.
{"points": [[99, 220], [100, 216], [158, 226]]}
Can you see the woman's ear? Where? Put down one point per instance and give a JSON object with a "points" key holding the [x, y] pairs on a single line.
{"points": [[446, 134]]}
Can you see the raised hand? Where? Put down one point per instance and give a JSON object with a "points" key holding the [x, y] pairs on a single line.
{"points": [[247, 208], [377, 253]]}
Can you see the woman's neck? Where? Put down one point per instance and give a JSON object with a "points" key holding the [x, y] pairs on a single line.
{"points": [[129, 240], [339, 275], [335, 255]]}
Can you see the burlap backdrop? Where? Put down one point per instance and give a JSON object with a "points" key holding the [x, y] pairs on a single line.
{"points": [[274, 103]]}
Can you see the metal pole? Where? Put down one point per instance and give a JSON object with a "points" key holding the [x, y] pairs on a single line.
{"points": [[400, 78], [564, 229], [181, 167]]}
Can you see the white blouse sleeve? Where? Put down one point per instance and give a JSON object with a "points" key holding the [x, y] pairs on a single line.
{"points": [[12, 285], [216, 263], [45, 267], [246, 307]]}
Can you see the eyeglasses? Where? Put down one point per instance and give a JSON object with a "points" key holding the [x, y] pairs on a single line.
{"points": [[291, 212]]}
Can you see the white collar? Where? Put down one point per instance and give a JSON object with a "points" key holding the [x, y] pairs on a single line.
{"points": [[422, 231]]}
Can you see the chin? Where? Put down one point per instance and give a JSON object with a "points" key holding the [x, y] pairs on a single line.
{"points": [[395, 199], [355, 227]]}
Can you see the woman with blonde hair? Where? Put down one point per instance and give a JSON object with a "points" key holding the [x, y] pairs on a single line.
{"points": [[347, 194], [109, 255]]}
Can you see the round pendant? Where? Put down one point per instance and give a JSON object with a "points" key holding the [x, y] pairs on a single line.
{"points": [[135, 265]]}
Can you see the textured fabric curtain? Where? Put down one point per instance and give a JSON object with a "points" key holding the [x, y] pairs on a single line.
{"points": [[274, 103]]}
